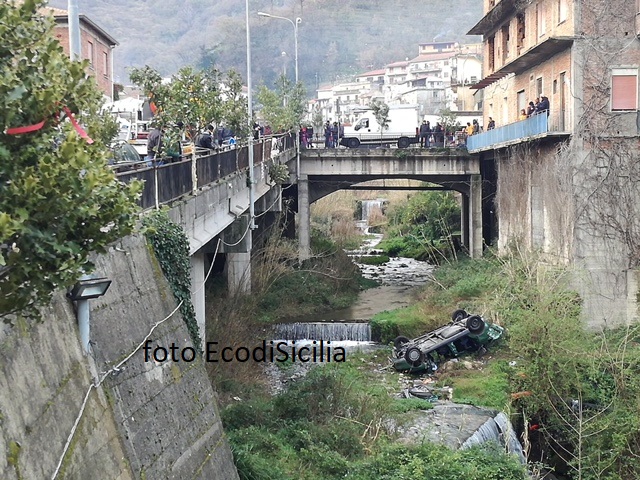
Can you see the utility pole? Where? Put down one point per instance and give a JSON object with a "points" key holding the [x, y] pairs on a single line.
{"points": [[75, 51]]}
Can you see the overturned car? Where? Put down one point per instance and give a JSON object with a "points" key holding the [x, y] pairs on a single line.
{"points": [[465, 333]]}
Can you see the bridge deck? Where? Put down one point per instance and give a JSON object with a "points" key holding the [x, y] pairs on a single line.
{"points": [[389, 163]]}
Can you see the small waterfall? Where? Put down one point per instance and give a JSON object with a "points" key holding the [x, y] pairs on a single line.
{"points": [[354, 331], [497, 429], [369, 206]]}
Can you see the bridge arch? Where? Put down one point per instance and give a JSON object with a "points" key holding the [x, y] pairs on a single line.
{"points": [[324, 171]]}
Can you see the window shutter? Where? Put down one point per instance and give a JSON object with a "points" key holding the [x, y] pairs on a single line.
{"points": [[624, 92]]}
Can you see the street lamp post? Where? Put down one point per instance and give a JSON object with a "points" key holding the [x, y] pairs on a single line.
{"points": [[295, 24], [252, 224], [295, 35]]}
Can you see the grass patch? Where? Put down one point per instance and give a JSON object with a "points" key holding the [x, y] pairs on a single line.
{"points": [[404, 405], [372, 259], [488, 387]]}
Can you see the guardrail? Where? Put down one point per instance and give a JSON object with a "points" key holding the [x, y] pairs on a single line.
{"points": [[170, 181], [530, 127]]}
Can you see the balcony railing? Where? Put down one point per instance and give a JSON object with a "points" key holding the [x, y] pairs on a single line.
{"points": [[535, 126]]}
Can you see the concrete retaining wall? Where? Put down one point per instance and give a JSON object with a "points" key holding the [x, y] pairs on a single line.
{"points": [[147, 421]]}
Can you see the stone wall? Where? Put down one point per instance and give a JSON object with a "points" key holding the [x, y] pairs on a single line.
{"points": [[147, 420], [545, 204]]}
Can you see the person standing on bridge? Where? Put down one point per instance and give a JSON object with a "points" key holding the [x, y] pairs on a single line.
{"points": [[154, 145], [327, 135], [205, 139], [335, 134], [425, 133], [310, 135]]}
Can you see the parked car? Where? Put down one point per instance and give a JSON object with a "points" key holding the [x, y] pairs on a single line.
{"points": [[124, 156], [465, 333]]}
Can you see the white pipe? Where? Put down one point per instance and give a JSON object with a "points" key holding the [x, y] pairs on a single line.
{"points": [[84, 324]]}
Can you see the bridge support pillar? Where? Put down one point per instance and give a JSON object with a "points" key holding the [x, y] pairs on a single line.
{"points": [[464, 222], [237, 246], [475, 216], [197, 291], [304, 219]]}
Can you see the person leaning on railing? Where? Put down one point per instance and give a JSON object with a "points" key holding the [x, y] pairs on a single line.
{"points": [[531, 109], [543, 106]]}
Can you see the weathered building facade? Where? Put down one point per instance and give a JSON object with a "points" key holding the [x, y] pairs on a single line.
{"points": [[96, 46], [567, 180]]}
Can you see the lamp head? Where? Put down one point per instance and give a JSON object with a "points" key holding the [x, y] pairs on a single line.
{"points": [[88, 287]]}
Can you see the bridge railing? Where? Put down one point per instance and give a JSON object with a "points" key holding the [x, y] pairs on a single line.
{"points": [[533, 126], [168, 182]]}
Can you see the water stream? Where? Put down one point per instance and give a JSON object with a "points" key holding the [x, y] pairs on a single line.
{"points": [[349, 327]]}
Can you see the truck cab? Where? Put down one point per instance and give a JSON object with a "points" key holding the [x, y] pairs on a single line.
{"points": [[363, 123]]}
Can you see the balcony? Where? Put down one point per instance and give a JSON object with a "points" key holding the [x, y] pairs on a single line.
{"points": [[534, 56], [534, 127], [495, 17]]}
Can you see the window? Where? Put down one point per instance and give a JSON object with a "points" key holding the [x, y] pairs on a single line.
{"points": [[90, 52], [540, 20], [521, 32], [624, 89], [492, 48], [505, 43], [105, 63], [522, 101], [538, 86], [562, 10]]}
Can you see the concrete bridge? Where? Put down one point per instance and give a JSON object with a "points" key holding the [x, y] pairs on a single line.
{"points": [[324, 171], [210, 196]]}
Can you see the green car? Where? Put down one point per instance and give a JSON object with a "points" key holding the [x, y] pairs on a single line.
{"points": [[465, 333]]}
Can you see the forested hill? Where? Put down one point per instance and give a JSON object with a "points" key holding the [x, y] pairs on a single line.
{"points": [[336, 37]]}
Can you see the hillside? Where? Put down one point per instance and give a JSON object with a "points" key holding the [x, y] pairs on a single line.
{"points": [[336, 38]]}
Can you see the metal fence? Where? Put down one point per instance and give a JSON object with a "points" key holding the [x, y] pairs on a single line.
{"points": [[165, 183], [530, 127]]}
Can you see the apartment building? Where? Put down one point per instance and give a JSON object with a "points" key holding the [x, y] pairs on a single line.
{"points": [[96, 44], [565, 182], [438, 78]]}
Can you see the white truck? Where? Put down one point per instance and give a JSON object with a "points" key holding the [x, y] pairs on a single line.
{"points": [[404, 120]]}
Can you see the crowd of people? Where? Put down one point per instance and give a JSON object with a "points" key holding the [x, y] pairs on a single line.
{"points": [[213, 138], [430, 135], [541, 105], [332, 134]]}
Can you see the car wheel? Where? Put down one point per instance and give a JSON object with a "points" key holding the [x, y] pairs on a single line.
{"points": [[475, 324], [413, 356], [353, 143], [459, 315], [400, 342], [403, 142]]}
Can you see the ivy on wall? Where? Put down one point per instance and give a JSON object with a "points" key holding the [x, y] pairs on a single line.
{"points": [[171, 247]]}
